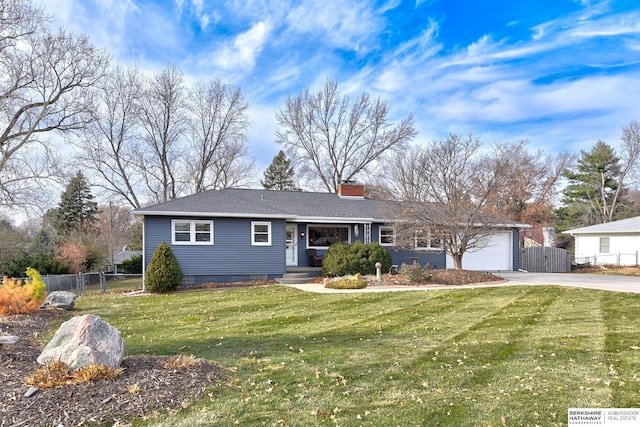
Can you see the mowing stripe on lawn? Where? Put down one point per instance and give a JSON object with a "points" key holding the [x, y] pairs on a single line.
{"points": [[490, 356]]}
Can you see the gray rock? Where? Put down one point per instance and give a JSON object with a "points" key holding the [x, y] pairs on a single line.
{"points": [[32, 391], [9, 339], [85, 340], [60, 299]]}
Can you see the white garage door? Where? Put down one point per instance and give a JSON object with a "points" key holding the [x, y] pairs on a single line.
{"points": [[496, 256]]}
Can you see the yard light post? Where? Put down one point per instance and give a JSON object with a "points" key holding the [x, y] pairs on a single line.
{"points": [[378, 271]]}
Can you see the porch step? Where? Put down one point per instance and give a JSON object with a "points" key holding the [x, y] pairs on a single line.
{"points": [[294, 278]]}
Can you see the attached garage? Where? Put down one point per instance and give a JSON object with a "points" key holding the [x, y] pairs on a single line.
{"points": [[496, 256]]}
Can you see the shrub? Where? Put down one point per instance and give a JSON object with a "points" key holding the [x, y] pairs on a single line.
{"points": [[348, 282], [21, 297], [163, 273], [132, 265], [45, 262], [342, 259], [415, 272], [38, 287]]}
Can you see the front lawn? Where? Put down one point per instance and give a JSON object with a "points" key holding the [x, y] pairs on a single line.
{"points": [[488, 356]]}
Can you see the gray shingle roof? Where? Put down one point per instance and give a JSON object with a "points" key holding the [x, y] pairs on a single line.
{"points": [[629, 225], [290, 205], [269, 204], [125, 255]]}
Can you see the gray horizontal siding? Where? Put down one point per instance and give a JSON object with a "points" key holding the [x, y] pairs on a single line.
{"points": [[230, 255]]}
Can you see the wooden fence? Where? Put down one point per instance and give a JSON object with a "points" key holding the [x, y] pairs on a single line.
{"points": [[545, 260]]}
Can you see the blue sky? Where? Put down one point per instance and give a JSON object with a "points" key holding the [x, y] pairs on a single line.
{"points": [[560, 73]]}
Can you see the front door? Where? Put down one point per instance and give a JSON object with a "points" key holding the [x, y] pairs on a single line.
{"points": [[292, 244]]}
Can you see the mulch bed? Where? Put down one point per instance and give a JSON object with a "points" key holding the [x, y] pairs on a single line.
{"points": [[144, 388]]}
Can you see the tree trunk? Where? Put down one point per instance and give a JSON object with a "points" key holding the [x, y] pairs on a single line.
{"points": [[457, 261]]}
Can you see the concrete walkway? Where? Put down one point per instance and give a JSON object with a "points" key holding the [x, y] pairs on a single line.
{"points": [[512, 278]]}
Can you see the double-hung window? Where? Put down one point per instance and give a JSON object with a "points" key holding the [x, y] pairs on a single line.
{"points": [[260, 233], [191, 232], [425, 240], [387, 236]]}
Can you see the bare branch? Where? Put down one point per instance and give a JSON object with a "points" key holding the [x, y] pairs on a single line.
{"points": [[336, 139], [46, 84], [217, 136]]}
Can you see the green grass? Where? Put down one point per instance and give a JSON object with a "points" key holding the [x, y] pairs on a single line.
{"points": [[117, 285], [513, 356]]}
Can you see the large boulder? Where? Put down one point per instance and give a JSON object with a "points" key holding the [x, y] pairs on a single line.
{"points": [[60, 299], [85, 340]]}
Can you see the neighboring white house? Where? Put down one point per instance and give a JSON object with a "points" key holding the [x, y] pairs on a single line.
{"points": [[615, 243]]}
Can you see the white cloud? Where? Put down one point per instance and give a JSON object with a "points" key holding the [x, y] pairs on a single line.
{"points": [[242, 52], [614, 26], [347, 25]]}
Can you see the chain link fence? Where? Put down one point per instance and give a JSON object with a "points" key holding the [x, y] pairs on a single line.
{"points": [[93, 282], [618, 259]]}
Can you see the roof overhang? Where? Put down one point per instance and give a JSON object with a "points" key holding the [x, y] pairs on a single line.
{"points": [[581, 233], [289, 218]]}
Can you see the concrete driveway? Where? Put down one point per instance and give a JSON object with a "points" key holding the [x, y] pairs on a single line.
{"points": [[514, 278], [590, 281]]}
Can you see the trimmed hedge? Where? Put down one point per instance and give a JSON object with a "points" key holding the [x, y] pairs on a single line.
{"points": [[342, 259]]}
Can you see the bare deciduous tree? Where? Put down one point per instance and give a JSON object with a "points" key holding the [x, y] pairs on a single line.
{"points": [[107, 145], [334, 139], [528, 181], [46, 79], [630, 157], [456, 202], [163, 120], [404, 177], [217, 136]]}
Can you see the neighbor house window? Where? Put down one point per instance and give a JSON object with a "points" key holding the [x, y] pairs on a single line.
{"points": [[604, 245], [425, 240], [185, 232], [323, 236], [260, 233], [387, 236]]}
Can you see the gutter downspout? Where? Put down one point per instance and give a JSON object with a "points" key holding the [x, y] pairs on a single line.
{"points": [[140, 219]]}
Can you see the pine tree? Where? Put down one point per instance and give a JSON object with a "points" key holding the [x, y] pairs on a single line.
{"points": [[592, 195], [279, 174], [163, 273], [77, 211]]}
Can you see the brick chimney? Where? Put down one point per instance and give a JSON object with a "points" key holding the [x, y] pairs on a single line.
{"points": [[350, 189]]}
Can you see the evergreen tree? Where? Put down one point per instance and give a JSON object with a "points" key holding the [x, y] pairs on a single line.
{"points": [[279, 174], [77, 211], [163, 273], [592, 195]]}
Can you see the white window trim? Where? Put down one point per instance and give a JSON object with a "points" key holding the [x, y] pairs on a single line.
{"points": [[253, 233], [192, 232], [387, 228], [429, 247]]}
